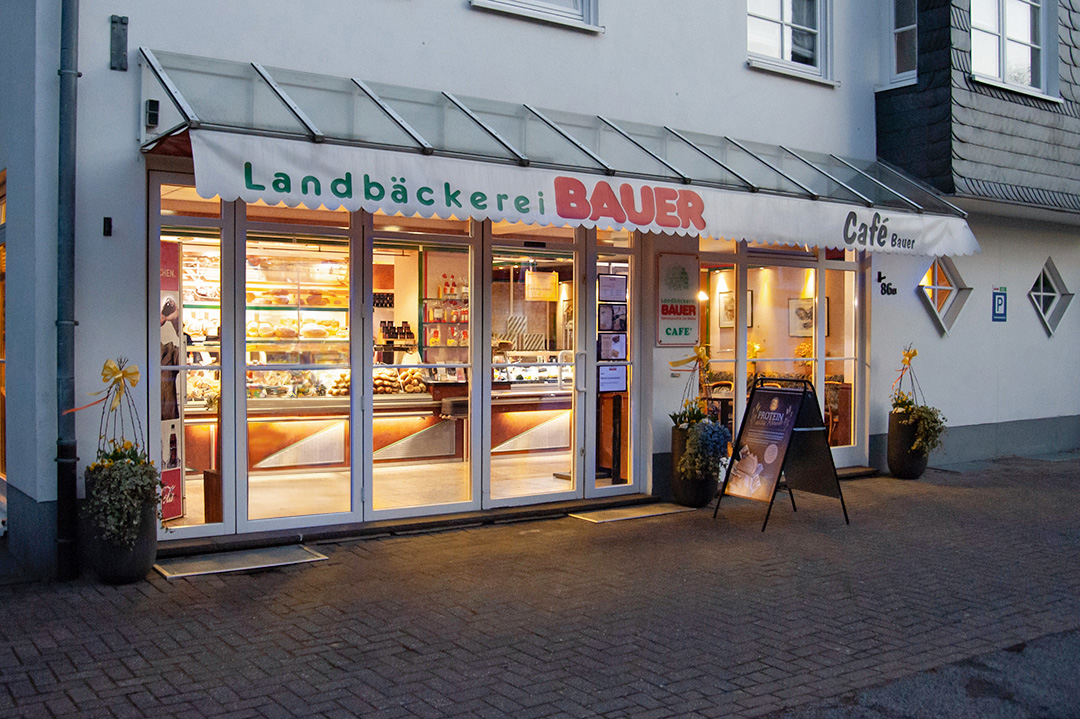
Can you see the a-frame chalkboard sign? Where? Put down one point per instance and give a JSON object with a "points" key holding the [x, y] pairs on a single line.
{"points": [[782, 433]]}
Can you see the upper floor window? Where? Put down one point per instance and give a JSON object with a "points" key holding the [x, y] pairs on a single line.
{"points": [[580, 14], [791, 31], [1007, 38], [904, 40]]}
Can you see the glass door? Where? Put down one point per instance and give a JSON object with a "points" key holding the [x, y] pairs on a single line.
{"points": [[535, 399], [840, 386], [421, 377]]}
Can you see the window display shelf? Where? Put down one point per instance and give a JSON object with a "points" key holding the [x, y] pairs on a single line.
{"points": [[293, 308]]}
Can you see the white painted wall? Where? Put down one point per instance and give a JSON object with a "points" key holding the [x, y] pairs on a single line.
{"points": [[681, 64], [678, 64], [29, 95], [983, 371]]}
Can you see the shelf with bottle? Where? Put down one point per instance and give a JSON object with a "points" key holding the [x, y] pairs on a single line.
{"points": [[445, 336]]}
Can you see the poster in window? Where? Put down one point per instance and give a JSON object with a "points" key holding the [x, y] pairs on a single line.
{"points": [[611, 378], [541, 286], [604, 318], [727, 309], [611, 288], [801, 317], [613, 346], [618, 318], [172, 479]]}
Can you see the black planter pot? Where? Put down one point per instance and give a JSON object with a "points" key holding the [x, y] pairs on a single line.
{"points": [[116, 564], [904, 463], [688, 491]]}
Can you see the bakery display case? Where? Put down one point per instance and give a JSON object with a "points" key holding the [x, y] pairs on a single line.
{"points": [[297, 307]]}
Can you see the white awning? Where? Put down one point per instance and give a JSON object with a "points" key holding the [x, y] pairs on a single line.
{"points": [[251, 168]]}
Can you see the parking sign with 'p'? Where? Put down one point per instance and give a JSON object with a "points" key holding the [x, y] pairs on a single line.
{"points": [[998, 313]]}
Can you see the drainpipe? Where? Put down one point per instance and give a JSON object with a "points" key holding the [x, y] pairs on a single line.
{"points": [[67, 548]]}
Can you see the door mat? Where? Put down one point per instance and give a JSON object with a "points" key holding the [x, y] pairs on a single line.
{"points": [[636, 512], [220, 562]]}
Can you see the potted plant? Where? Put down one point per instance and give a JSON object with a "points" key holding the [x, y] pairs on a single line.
{"points": [[700, 464], [915, 428], [122, 510]]}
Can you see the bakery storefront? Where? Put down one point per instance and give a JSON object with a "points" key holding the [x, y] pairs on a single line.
{"points": [[373, 302]]}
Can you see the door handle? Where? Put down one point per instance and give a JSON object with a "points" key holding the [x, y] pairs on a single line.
{"points": [[579, 375]]}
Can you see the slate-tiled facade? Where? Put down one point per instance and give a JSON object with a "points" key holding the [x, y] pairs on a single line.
{"points": [[976, 140]]}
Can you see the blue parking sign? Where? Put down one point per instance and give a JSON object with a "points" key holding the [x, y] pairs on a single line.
{"points": [[999, 311]]}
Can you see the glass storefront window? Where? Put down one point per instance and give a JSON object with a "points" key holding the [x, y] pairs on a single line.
{"points": [[720, 311], [522, 231], [422, 326], [841, 352], [421, 225], [189, 310], [782, 305], [297, 361], [615, 238], [281, 213], [183, 201]]}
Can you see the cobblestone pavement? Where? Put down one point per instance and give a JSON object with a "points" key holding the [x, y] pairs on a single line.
{"points": [[672, 616]]}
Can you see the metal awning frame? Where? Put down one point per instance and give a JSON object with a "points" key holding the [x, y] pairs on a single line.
{"points": [[192, 121]]}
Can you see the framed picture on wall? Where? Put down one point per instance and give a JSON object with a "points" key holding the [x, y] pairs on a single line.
{"points": [[801, 316], [727, 309]]}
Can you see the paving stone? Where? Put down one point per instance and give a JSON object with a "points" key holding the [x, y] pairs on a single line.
{"points": [[678, 615]]}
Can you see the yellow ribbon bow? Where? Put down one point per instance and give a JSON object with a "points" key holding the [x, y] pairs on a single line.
{"points": [[111, 374], [701, 355], [114, 376], [909, 354]]}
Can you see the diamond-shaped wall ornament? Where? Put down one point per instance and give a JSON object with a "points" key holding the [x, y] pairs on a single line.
{"points": [[1050, 296], [944, 293]]}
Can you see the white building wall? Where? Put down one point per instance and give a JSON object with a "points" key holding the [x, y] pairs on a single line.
{"points": [[982, 372], [682, 65], [29, 97]]}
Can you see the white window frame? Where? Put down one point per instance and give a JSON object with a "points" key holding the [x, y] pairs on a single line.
{"points": [[1051, 317], [945, 316], [586, 17], [821, 70], [1047, 46], [909, 76]]}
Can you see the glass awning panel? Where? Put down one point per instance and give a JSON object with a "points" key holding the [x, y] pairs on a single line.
{"points": [[534, 134], [906, 186], [252, 99], [746, 164], [844, 172], [678, 150], [443, 123], [229, 94], [804, 173], [604, 139], [341, 109]]}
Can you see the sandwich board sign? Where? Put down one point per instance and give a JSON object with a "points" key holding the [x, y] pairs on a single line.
{"points": [[782, 434]]}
